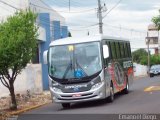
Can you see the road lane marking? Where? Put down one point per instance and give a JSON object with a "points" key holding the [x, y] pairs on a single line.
{"points": [[152, 88]]}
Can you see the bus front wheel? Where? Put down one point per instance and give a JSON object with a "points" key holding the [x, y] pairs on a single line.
{"points": [[111, 97], [66, 105]]}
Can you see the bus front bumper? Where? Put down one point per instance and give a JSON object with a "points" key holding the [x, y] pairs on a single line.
{"points": [[98, 93]]}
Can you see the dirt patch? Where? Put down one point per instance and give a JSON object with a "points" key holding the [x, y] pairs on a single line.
{"points": [[25, 102]]}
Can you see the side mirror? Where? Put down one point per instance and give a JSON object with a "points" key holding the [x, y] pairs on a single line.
{"points": [[45, 57], [105, 51]]}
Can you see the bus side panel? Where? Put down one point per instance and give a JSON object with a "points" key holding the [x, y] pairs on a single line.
{"points": [[130, 73], [117, 76], [121, 74], [119, 63]]}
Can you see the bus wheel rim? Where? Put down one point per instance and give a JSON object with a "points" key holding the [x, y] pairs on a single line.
{"points": [[112, 97], [127, 86]]}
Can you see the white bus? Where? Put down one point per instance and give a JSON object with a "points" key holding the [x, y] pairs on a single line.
{"points": [[89, 68]]}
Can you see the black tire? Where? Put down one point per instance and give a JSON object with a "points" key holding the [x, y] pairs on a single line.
{"points": [[111, 97], [126, 90], [151, 75], [66, 105]]}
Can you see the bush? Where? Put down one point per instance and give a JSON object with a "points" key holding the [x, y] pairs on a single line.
{"points": [[154, 60]]}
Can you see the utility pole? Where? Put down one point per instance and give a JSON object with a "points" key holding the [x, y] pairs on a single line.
{"points": [[158, 34], [69, 5], [158, 42], [148, 41], [100, 17]]}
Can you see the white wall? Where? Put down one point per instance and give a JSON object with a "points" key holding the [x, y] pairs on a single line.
{"points": [[41, 34], [29, 79], [140, 70]]}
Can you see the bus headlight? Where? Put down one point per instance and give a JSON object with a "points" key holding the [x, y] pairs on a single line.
{"points": [[97, 85], [55, 86], [54, 83], [56, 89]]}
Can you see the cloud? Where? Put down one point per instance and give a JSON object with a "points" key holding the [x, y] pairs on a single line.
{"points": [[134, 15], [138, 5], [130, 19]]}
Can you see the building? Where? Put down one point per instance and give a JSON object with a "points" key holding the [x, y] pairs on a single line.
{"points": [[152, 38], [51, 27]]}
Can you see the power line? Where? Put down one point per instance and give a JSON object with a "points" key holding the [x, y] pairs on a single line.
{"points": [[117, 27], [112, 8], [89, 26], [6, 9], [66, 3], [8, 5], [83, 27], [44, 20], [60, 3], [81, 11], [123, 28]]}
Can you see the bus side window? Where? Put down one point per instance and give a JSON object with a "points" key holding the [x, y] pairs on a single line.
{"points": [[126, 50], [117, 50], [122, 50], [110, 51], [105, 59], [113, 50], [129, 49]]}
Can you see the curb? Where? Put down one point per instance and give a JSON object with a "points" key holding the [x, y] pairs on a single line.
{"points": [[27, 109]]}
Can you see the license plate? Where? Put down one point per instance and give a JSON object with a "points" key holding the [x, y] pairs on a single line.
{"points": [[76, 95]]}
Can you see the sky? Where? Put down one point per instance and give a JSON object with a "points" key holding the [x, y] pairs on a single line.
{"points": [[129, 19]]}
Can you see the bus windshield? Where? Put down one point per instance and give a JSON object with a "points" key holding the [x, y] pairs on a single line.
{"points": [[75, 61]]}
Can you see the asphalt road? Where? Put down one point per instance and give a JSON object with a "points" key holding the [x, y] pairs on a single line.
{"points": [[137, 101]]}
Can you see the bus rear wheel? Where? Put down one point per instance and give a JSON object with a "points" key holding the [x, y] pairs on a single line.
{"points": [[111, 97], [126, 90], [66, 105]]}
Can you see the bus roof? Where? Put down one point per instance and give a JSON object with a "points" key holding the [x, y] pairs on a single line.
{"points": [[74, 40]]}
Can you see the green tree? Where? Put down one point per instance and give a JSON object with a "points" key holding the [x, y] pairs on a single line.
{"points": [[17, 46], [154, 60], [156, 20], [139, 55], [144, 60]]}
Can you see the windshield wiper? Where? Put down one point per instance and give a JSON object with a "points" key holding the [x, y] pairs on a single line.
{"points": [[81, 68], [67, 69]]}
